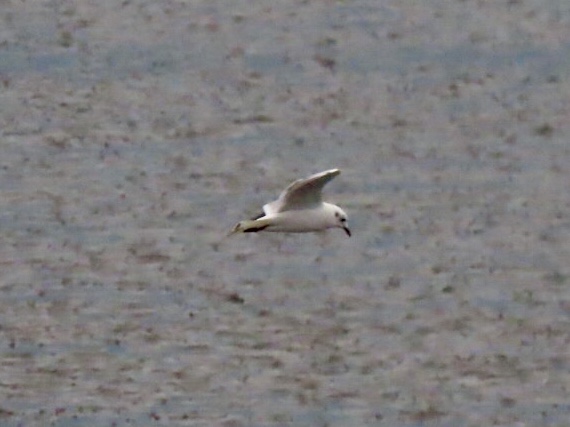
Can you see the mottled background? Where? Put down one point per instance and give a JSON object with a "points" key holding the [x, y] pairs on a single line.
{"points": [[134, 134]]}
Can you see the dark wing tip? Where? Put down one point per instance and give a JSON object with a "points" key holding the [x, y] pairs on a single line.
{"points": [[262, 214]]}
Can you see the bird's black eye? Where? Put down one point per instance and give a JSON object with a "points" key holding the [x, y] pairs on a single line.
{"points": [[343, 220]]}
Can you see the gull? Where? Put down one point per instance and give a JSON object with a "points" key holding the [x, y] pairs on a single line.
{"points": [[299, 209]]}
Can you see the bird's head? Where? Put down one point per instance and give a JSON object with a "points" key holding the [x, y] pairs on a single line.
{"points": [[341, 220]]}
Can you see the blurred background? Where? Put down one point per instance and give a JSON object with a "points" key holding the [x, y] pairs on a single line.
{"points": [[135, 134]]}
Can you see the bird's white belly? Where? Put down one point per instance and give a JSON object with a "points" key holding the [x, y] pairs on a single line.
{"points": [[298, 221]]}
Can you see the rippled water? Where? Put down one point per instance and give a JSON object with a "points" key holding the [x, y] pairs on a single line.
{"points": [[135, 135]]}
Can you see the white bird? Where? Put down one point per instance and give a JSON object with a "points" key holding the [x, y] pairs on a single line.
{"points": [[299, 209]]}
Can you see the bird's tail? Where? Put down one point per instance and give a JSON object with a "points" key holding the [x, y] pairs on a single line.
{"points": [[250, 226]]}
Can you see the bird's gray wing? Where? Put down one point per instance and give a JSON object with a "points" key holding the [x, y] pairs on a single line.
{"points": [[302, 194]]}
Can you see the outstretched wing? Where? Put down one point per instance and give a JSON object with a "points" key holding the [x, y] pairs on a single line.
{"points": [[302, 194]]}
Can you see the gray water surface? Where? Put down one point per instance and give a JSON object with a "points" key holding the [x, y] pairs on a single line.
{"points": [[134, 135]]}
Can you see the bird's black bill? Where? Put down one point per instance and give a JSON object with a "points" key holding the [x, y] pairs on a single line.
{"points": [[347, 231]]}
